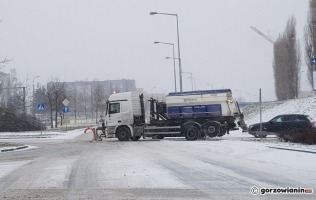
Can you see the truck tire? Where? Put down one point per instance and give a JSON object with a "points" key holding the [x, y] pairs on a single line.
{"points": [[191, 132], [158, 137], [123, 134], [223, 131], [161, 137], [212, 129], [135, 138]]}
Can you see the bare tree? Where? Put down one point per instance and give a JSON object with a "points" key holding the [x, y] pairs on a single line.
{"points": [[5, 60], [73, 96], [310, 41], [98, 99], [56, 94], [84, 99], [17, 93], [286, 64], [294, 56]]}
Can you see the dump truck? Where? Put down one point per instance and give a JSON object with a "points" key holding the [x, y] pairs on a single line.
{"points": [[193, 115]]}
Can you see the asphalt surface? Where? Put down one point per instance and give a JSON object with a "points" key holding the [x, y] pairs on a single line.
{"points": [[146, 169]]}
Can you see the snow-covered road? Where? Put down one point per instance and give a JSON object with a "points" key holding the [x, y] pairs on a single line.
{"points": [[173, 168]]}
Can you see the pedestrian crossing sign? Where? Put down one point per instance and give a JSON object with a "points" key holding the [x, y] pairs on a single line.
{"points": [[40, 107]]}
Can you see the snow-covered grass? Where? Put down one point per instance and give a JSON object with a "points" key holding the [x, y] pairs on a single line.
{"points": [[270, 141], [305, 106], [43, 134]]}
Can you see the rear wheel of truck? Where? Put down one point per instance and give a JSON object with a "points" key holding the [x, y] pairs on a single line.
{"points": [[161, 137], [212, 129], [223, 132], [158, 137], [191, 132], [123, 134], [135, 138]]}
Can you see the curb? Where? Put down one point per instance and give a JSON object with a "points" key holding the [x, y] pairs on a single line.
{"points": [[15, 148], [282, 148]]}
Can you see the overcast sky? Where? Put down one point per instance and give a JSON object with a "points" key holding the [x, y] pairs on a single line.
{"points": [[114, 39]]}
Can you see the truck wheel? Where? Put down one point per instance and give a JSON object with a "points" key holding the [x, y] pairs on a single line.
{"points": [[135, 138], [123, 134], [223, 131], [212, 129], [161, 137], [158, 137], [191, 132]]}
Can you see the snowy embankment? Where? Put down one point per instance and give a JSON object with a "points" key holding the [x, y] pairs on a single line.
{"points": [[305, 106]]}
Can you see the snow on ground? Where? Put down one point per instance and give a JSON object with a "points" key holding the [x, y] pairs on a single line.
{"points": [[61, 170], [258, 151], [55, 135], [271, 109], [8, 167], [43, 134]]}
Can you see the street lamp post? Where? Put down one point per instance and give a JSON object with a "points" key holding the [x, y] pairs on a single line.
{"points": [[180, 68], [174, 64]]}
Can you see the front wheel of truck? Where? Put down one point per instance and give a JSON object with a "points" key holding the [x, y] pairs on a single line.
{"points": [[123, 134]]}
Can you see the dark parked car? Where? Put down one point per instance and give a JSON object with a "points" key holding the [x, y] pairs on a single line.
{"points": [[282, 123]]}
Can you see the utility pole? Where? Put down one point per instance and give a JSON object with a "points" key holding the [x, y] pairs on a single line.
{"points": [[260, 103]]}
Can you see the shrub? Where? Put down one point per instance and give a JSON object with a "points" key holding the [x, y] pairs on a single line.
{"points": [[304, 135], [10, 122]]}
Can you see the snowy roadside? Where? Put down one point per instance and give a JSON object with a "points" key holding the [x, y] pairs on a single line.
{"points": [[270, 141], [58, 135], [51, 134], [271, 109]]}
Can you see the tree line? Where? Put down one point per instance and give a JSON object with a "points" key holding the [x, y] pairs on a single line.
{"points": [[86, 101]]}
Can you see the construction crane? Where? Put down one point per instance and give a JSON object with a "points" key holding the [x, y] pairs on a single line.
{"points": [[261, 34]]}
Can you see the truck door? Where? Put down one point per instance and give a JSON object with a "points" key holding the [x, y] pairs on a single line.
{"points": [[114, 115]]}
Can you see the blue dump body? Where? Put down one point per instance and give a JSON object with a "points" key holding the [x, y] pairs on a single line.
{"points": [[213, 110], [185, 111]]}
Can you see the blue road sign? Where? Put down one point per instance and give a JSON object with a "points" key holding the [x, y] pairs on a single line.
{"points": [[314, 61], [65, 109], [40, 107]]}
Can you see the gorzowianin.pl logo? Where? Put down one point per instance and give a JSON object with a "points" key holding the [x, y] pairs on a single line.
{"points": [[287, 190]]}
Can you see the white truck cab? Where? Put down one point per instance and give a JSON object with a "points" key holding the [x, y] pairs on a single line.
{"points": [[123, 109]]}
